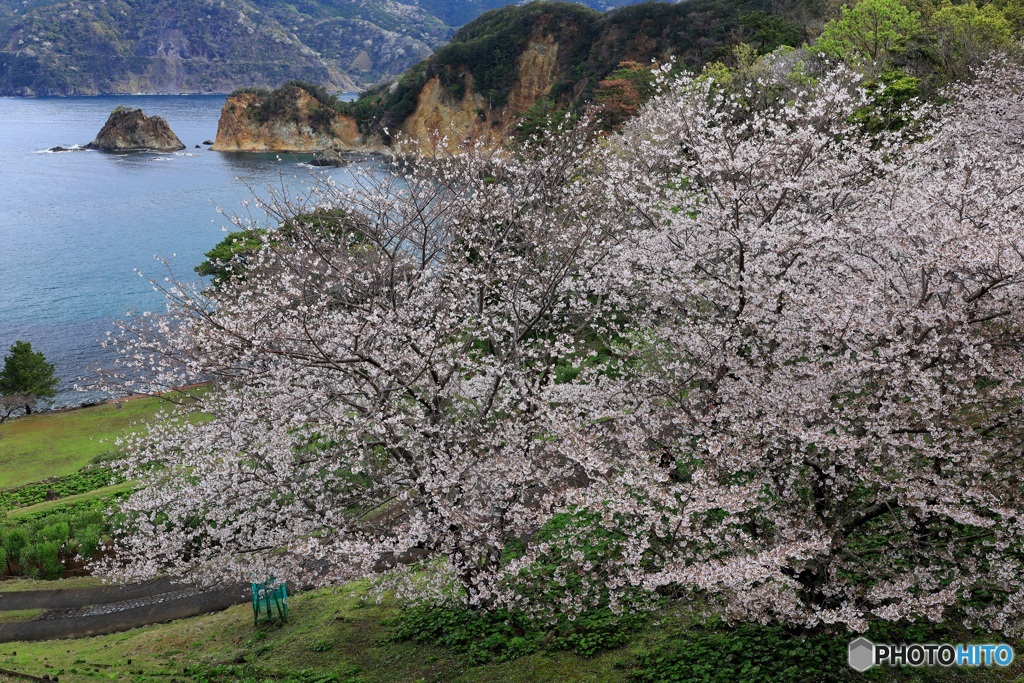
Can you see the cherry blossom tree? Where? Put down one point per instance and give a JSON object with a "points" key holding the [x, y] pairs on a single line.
{"points": [[822, 422], [760, 355], [379, 393]]}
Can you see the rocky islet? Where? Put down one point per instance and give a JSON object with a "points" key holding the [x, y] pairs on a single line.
{"points": [[130, 130]]}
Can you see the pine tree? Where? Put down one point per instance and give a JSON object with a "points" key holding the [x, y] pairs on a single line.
{"points": [[26, 377]]}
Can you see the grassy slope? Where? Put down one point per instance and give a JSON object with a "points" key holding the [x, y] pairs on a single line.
{"points": [[334, 633], [330, 632], [54, 444], [337, 635]]}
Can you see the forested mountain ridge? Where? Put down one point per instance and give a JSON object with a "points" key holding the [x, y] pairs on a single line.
{"points": [[507, 72], [521, 64], [171, 46], [459, 12]]}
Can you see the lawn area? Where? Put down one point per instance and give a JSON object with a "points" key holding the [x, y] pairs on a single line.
{"points": [[339, 636], [54, 444], [333, 635]]}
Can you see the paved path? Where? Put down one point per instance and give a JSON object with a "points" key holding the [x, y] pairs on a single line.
{"points": [[78, 612]]}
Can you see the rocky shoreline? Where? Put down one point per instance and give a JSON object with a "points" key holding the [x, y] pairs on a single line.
{"points": [[290, 119]]}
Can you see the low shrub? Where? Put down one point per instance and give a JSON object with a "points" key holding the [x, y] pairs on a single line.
{"points": [[45, 545], [83, 481], [745, 653], [716, 652]]}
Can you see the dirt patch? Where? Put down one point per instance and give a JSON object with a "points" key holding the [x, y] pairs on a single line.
{"points": [[79, 612]]}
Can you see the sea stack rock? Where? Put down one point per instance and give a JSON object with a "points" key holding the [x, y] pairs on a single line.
{"points": [[294, 118], [332, 156], [130, 130]]}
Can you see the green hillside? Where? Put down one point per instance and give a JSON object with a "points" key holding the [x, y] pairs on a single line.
{"points": [[590, 47], [344, 635], [459, 12], [56, 444]]}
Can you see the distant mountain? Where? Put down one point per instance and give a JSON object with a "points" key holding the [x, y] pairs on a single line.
{"points": [[172, 46]]}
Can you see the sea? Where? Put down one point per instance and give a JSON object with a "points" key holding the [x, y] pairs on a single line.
{"points": [[83, 233]]}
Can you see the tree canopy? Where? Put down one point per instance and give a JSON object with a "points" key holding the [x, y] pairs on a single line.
{"points": [[26, 377], [748, 348], [230, 257], [869, 32]]}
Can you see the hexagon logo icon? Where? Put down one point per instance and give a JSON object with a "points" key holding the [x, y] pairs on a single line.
{"points": [[862, 654]]}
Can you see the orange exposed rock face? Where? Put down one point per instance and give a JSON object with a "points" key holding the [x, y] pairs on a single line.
{"points": [[536, 74], [298, 123], [437, 117], [439, 120]]}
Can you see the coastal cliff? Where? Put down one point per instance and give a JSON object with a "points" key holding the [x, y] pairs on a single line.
{"points": [[439, 116], [290, 119], [507, 73]]}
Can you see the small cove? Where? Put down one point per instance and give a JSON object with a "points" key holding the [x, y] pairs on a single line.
{"points": [[77, 228]]}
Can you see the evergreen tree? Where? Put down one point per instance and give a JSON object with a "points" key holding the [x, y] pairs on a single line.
{"points": [[870, 33], [26, 377]]}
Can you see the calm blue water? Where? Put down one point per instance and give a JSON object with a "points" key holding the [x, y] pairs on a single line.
{"points": [[76, 228]]}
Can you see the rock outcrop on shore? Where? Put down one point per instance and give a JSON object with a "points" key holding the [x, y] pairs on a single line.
{"points": [[289, 119], [331, 157], [130, 130]]}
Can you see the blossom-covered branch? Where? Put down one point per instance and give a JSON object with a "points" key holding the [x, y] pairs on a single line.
{"points": [[760, 354]]}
